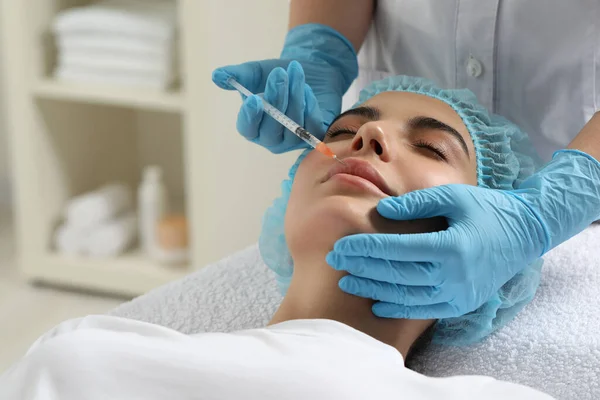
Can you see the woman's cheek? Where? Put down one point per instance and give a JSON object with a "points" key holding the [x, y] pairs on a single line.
{"points": [[314, 161], [431, 177], [306, 179]]}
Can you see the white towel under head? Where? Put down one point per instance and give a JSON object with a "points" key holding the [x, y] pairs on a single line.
{"points": [[138, 18]]}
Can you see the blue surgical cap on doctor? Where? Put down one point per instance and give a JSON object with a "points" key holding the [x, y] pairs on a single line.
{"points": [[504, 158]]}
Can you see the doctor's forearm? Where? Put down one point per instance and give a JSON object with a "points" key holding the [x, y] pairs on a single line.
{"points": [[351, 18], [588, 140], [565, 193]]}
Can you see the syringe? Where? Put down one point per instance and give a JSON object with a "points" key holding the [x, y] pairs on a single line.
{"points": [[288, 123]]}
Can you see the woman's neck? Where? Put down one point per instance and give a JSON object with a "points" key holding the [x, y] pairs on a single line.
{"points": [[314, 294]]}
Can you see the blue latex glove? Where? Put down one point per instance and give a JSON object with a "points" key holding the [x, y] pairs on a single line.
{"points": [[491, 235], [308, 91]]}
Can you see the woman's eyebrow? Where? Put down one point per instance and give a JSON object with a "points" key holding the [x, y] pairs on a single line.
{"points": [[369, 113], [422, 122]]}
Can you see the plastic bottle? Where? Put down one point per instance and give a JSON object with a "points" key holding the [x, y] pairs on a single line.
{"points": [[153, 206]]}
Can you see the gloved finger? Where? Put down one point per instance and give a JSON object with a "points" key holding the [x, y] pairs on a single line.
{"points": [[313, 117], [295, 108], [427, 203], [312, 123], [277, 94], [253, 75], [396, 311], [391, 293], [419, 247], [250, 116], [296, 103], [396, 272]]}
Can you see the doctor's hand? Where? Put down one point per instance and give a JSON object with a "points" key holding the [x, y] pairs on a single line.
{"points": [[491, 236], [316, 67]]}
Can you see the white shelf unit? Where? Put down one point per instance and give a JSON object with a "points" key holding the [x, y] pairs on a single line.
{"points": [[100, 275], [70, 138], [124, 97]]}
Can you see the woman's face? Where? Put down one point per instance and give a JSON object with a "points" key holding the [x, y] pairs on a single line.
{"points": [[394, 143]]}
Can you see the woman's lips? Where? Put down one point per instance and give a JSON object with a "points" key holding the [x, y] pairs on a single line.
{"points": [[358, 170]]}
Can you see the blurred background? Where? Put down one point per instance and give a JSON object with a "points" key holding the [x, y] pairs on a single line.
{"points": [[120, 165]]}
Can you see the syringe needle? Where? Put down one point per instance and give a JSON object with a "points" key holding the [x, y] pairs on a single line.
{"points": [[338, 160]]}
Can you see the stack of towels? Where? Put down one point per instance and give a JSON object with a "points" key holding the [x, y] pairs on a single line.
{"points": [[119, 42], [99, 223]]}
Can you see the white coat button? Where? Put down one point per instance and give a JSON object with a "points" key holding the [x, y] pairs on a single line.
{"points": [[474, 67]]}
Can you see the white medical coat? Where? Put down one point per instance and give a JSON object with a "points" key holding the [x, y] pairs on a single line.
{"points": [[535, 62], [102, 357]]}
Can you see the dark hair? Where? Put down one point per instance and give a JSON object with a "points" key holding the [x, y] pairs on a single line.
{"points": [[419, 345]]}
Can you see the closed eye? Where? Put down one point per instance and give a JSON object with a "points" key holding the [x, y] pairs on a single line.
{"points": [[437, 151]]}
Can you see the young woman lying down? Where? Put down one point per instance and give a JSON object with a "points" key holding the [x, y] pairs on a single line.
{"points": [[322, 343]]}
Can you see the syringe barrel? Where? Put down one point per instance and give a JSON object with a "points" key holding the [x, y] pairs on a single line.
{"points": [[291, 125], [307, 137], [279, 116]]}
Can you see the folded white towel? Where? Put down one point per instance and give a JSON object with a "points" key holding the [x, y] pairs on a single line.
{"points": [[69, 240], [112, 238], [116, 45], [91, 209], [157, 66], [140, 18], [103, 77]]}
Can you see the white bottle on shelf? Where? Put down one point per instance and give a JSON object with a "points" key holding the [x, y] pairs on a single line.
{"points": [[152, 207]]}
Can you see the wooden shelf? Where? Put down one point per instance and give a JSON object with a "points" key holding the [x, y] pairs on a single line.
{"points": [[131, 274], [110, 95]]}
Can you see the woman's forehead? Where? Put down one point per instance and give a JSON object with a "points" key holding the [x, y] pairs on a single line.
{"points": [[405, 105]]}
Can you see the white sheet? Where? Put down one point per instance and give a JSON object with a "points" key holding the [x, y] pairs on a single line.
{"points": [[111, 358]]}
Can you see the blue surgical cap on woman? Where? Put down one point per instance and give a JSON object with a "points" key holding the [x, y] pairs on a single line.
{"points": [[504, 158]]}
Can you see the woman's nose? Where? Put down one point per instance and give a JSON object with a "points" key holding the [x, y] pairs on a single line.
{"points": [[371, 138]]}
